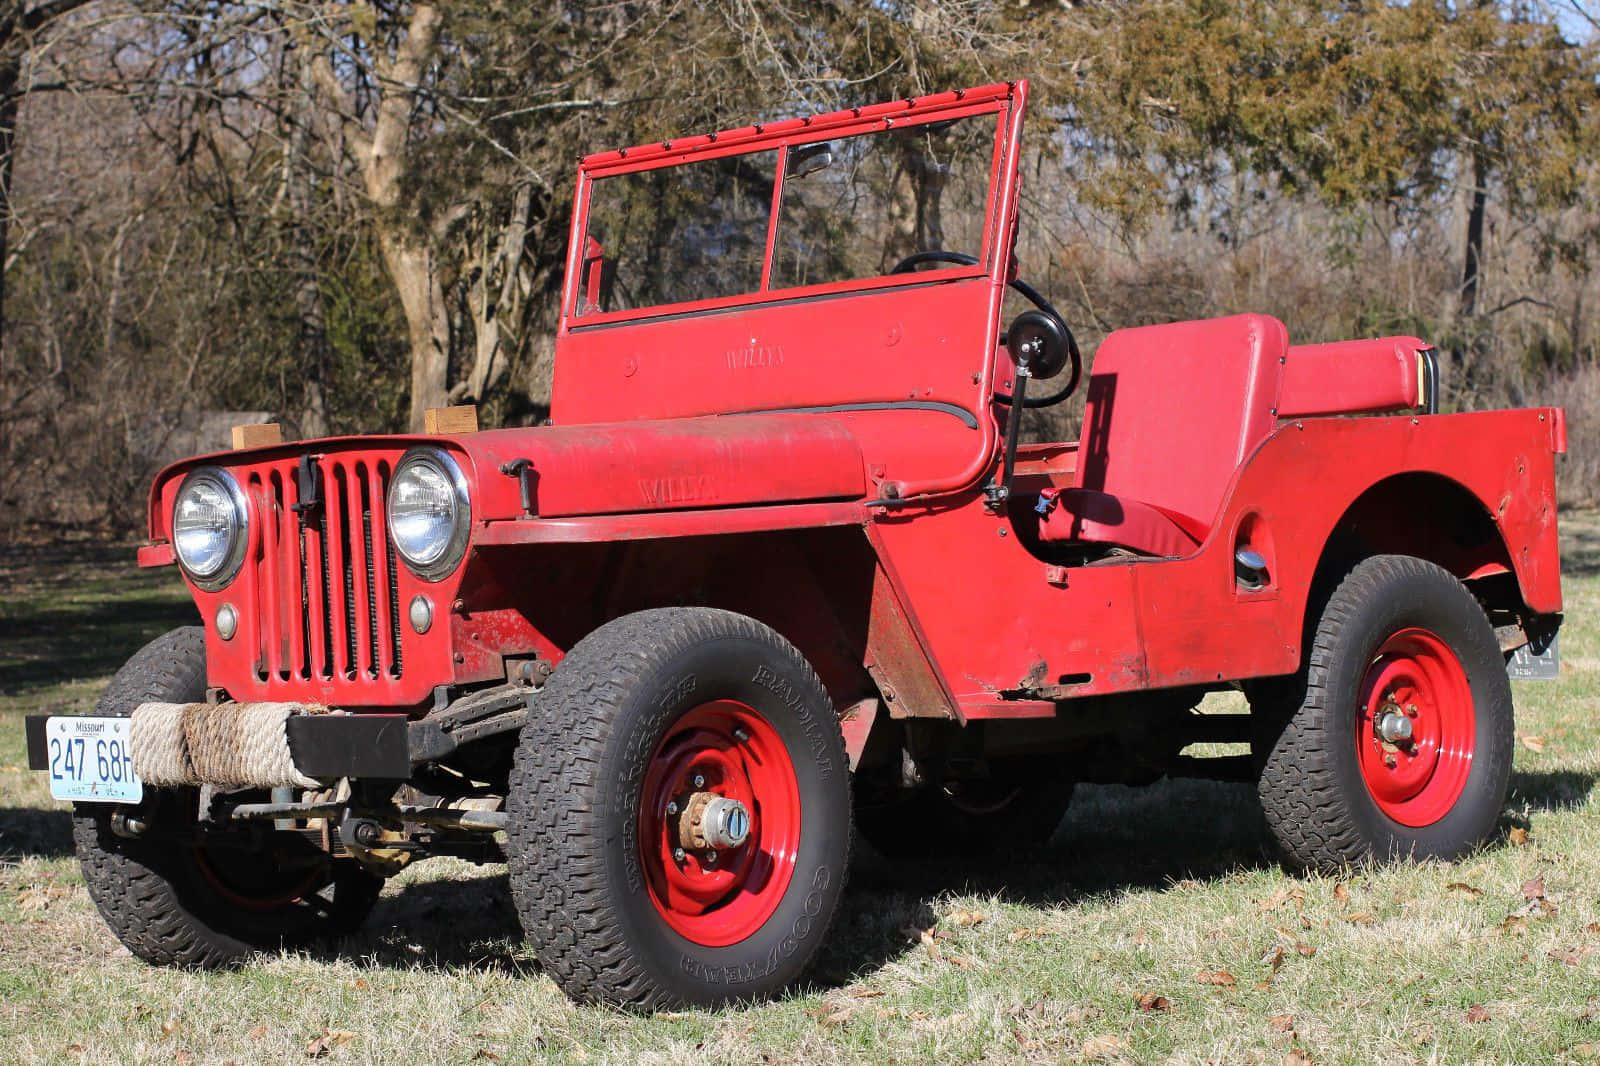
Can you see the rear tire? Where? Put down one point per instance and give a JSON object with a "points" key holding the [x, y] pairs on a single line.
{"points": [[605, 773], [176, 903], [1400, 641]]}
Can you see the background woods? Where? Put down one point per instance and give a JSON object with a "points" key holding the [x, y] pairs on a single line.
{"points": [[345, 213]]}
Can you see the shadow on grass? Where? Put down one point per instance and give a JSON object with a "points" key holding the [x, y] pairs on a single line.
{"points": [[1550, 790], [32, 833], [1113, 840]]}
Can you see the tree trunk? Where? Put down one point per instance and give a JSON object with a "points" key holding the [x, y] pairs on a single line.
{"points": [[1472, 269], [10, 71], [411, 268]]}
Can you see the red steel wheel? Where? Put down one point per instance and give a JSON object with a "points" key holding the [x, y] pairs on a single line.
{"points": [[719, 896], [1394, 741], [1417, 732]]}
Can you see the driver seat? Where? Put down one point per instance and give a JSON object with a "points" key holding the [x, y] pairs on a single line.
{"points": [[1172, 411]]}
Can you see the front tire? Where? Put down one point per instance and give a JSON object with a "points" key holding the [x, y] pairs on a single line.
{"points": [[1401, 742], [648, 719], [177, 902]]}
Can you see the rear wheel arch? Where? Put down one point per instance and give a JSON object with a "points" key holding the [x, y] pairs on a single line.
{"points": [[1425, 515]]}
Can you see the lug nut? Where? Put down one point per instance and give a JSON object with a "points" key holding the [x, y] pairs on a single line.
{"points": [[1388, 760], [677, 854], [1411, 710], [711, 858], [672, 807], [699, 781], [740, 734]]}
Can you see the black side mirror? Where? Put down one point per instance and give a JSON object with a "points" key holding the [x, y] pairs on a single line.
{"points": [[1038, 341]]}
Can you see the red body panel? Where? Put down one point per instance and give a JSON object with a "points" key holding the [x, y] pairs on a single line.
{"points": [[721, 453]]}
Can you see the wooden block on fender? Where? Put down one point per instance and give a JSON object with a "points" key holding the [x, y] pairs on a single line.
{"points": [[257, 436], [463, 419]]}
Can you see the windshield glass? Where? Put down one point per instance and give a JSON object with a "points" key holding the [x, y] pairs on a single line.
{"points": [[850, 208]]}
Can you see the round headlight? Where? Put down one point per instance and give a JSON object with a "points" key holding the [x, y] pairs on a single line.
{"points": [[208, 527], [429, 513]]}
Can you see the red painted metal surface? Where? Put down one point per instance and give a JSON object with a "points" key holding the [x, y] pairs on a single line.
{"points": [[720, 453], [736, 754], [1417, 675]]}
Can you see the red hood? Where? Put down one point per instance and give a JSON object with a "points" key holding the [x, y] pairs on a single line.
{"points": [[675, 464]]}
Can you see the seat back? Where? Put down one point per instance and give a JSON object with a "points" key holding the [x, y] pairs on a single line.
{"points": [[1173, 410], [1356, 377]]}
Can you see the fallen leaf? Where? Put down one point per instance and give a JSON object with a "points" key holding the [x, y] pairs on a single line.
{"points": [[1029, 933], [1274, 957], [1513, 924], [1216, 977], [829, 1015], [866, 993], [1588, 1051], [258, 1032], [1077, 1015], [33, 899], [959, 961], [1102, 1047], [1361, 918], [1151, 1001], [1572, 956], [1592, 928], [1297, 1057], [1305, 950], [1535, 744], [968, 918], [485, 1053], [1518, 836], [169, 1027], [1535, 908], [359, 984], [1341, 894], [183, 1058], [1463, 889], [1477, 1013], [1533, 888], [1281, 1023], [1287, 894], [1591, 1010]]}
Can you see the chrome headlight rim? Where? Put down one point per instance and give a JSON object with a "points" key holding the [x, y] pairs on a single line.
{"points": [[456, 547], [223, 576]]}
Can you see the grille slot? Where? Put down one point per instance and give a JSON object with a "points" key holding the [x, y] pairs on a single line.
{"points": [[327, 588]]}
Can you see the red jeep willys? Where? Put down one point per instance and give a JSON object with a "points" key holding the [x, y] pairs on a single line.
{"points": [[780, 571]]}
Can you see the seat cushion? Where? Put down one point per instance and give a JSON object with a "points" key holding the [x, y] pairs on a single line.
{"points": [[1088, 515]]}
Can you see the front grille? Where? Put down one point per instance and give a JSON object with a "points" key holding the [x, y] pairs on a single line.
{"points": [[327, 595]]}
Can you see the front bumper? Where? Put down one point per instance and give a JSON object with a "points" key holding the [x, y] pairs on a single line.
{"points": [[192, 744]]}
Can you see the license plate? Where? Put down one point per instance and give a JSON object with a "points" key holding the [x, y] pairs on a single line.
{"points": [[1526, 664], [90, 760]]}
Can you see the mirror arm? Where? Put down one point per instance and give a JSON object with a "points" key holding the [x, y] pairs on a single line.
{"points": [[997, 493]]}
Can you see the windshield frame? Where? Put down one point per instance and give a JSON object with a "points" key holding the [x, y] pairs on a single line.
{"points": [[998, 100]]}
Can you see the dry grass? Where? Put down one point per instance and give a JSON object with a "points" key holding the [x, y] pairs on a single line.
{"points": [[1143, 894]]}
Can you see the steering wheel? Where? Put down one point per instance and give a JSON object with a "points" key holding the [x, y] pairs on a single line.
{"points": [[1029, 293]]}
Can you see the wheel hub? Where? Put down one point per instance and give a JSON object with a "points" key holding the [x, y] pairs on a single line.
{"points": [[712, 821], [1393, 727]]}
